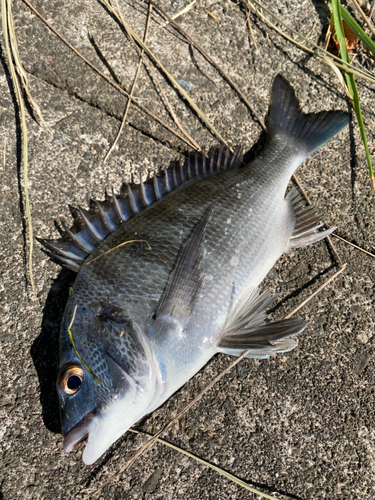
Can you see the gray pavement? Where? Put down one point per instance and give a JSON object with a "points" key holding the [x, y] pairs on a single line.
{"points": [[299, 425]]}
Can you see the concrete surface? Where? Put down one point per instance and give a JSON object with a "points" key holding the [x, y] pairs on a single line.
{"points": [[299, 425]]}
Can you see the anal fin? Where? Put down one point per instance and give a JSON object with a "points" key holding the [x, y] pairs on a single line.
{"points": [[246, 329], [307, 222]]}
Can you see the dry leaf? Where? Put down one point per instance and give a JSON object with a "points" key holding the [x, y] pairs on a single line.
{"points": [[351, 39]]}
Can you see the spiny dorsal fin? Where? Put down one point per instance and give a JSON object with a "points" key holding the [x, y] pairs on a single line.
{"points": [[307, 222], [185, 281], [108, 215], [246, 330]]}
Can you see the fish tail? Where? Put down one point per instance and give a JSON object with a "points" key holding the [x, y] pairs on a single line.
{"points": [[309, 131]]}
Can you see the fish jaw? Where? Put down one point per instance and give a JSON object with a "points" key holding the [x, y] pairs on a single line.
{"points": [[103, 428], [77, 433]]}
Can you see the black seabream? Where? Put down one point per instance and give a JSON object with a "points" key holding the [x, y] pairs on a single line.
{"points": [[168, 276]]}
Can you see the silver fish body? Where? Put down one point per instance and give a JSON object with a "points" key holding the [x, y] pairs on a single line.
{"points": [[178, 282]]}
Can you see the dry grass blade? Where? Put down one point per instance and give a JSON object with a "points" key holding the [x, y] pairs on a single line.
{"points": [[124, 243], [209, 58], [133, 86], [353, 245], [364, 17], [156, 436], [171, 79], [100, 73], [222, 472], [316, 50], [325, 284], [12, 54], [190, 140]]}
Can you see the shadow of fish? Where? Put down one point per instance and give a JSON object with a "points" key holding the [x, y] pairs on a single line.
{"points": [[166, 282]]}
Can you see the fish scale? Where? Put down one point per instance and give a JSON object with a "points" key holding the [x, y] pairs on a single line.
{"points": [[177, 281]]}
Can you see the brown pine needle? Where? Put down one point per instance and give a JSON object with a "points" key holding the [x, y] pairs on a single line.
{"points": [[364, 17], [316, 50], [184, 10], [195, 145], [192, 144], [353, 245], [372, 10], [116, 247], [5, 153], [156, 436], [251, 30], [212, 16]]}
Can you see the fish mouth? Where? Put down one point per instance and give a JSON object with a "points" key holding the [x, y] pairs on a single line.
{"points": [[78, 432]]}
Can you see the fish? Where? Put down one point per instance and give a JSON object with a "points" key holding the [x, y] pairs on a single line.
{"points": [[170, 275]]}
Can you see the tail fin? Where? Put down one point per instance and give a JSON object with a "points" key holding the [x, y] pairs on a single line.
{"points": [[311, 130]]}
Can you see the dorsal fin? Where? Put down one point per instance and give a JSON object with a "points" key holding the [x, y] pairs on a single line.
{"points": [[107, 216]]}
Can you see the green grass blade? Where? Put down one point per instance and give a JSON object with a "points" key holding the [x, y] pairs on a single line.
{"points": [[309, 46], [354, 26], [337, 20]]}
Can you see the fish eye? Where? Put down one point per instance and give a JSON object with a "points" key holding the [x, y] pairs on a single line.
{"points": [[71, 379]]}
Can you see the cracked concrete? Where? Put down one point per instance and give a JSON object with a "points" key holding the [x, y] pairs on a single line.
{"points": [[299, 425]]}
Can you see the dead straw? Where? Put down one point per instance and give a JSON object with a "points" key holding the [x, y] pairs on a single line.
{"points": [[105, 77], [353, 245], [134, 82], [171, 79], [209, 59], [14, 62]]}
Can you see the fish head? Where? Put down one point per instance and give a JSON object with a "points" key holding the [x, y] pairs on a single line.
{"points": [[107, 378]]}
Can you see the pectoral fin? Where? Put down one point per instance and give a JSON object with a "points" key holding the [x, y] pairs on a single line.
{"points": [[246, 329], [185, 281]]}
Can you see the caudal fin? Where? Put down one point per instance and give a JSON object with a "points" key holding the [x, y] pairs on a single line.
{"points": [[286, 119]]}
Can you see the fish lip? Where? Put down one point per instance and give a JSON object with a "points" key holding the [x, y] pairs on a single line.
{"points": [[78, 432]]}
